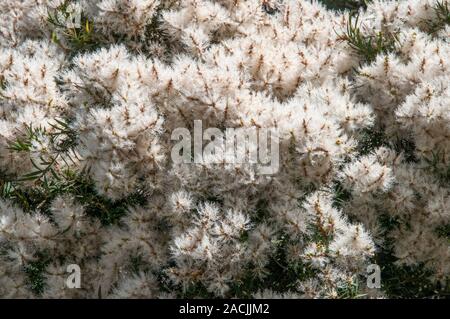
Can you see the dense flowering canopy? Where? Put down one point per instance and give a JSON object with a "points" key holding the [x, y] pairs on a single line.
{"points": [[86, 116]]}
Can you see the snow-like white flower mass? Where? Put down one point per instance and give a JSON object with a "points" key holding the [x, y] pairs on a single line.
{"points": [[91, 91]]}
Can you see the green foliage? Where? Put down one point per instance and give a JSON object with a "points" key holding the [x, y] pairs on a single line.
{"points": [[351, 290], [44, 191], [282, 274], [106, 210], [444, 231], [442, 11], [154, 32], [340, 195], [408, 281], [35, 273], [367, 46], [49, 181], [24, 144], [401, 281], [346, 4], [406, 146], [61, 140], [437, 168], [36, 191], [372, 139]]}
